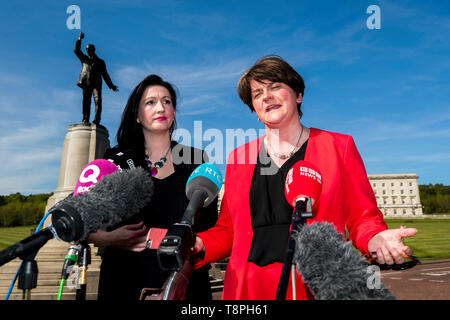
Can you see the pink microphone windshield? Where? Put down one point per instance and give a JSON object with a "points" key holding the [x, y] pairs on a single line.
{"points": [[92, 173]]}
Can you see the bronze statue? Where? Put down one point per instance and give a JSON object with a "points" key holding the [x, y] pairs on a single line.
{"points": [[90, 79]]}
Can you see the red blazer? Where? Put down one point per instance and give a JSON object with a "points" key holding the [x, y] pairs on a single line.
{"points": [[347, 199]]}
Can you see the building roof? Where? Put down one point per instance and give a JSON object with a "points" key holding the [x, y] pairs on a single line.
{"points": [[380, 176]]}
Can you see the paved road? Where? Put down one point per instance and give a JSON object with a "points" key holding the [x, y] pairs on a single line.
{"points": [[427, 281]]}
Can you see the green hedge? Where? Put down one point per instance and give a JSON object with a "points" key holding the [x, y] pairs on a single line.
{"points": [[20, 210], [435, 198]]}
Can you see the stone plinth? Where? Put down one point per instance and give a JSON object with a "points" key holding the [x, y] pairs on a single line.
{"points": [[83, 143]]}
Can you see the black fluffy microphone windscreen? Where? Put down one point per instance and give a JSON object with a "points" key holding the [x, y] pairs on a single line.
{"points": [[116, 197], [331, 268]]}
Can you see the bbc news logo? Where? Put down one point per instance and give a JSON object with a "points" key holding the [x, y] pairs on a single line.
{"points": [[311, 173], [305, 172]]}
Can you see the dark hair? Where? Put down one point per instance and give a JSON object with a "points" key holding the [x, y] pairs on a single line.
{"points": [[90, 48], [272, 68], [129, 134]]}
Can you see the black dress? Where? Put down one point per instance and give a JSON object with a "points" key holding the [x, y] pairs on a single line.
{"points": [[124, 273]]}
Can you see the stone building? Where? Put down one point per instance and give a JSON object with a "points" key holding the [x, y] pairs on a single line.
{"points": [[397, 194]]}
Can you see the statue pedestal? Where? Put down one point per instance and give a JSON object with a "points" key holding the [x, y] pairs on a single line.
{"points": [[83, 143]]}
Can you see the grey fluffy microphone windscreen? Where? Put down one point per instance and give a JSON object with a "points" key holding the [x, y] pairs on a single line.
{"points": [[116, 197], [331, 268]]}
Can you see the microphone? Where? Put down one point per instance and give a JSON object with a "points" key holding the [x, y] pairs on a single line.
{"points": [[332, 269], [302, 187], [90, 175], [328, 265], [303, 181], [115, 197], [202, 188]]}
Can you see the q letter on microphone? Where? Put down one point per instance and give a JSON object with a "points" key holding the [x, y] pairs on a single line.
{"points": [[331, 268], [202, 188], [92, 173]]}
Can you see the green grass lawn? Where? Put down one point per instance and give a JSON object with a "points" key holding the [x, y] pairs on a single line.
{"points": [[432, 240], [9, 236]]}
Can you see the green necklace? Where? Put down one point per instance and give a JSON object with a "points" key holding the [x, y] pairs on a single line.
{"points": [[158, 165]]}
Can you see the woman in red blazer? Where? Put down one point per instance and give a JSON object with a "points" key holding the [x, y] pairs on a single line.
{"points": [[253, 223]]}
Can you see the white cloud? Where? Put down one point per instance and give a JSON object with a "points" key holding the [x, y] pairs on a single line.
{"points": [[205, 76], [438, 157]]}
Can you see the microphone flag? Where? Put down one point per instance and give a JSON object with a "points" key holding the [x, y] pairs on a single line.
{"points": [[92, 173], [302, 180]]}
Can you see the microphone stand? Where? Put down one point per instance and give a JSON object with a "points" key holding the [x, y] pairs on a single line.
{"points": [[28, 275], [302, 212], [84, 259]]}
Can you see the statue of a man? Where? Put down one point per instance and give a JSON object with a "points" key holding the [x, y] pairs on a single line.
{"points": [[90, 79]]}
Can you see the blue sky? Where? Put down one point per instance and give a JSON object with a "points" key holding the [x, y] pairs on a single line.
{"points": [[388, 88]]}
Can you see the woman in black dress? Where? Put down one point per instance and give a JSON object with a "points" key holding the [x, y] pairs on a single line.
{"points": [[146, 128]]}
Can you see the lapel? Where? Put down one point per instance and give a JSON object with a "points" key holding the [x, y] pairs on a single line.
{"points": [[240, 179], [311, 150]]}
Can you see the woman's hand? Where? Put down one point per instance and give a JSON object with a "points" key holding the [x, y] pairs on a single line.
{"points": [[130, 237], [198, 246], [389, 247]]}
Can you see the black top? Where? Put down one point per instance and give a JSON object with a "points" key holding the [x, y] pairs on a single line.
{"points": [[270, 212], [124, 273]]}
